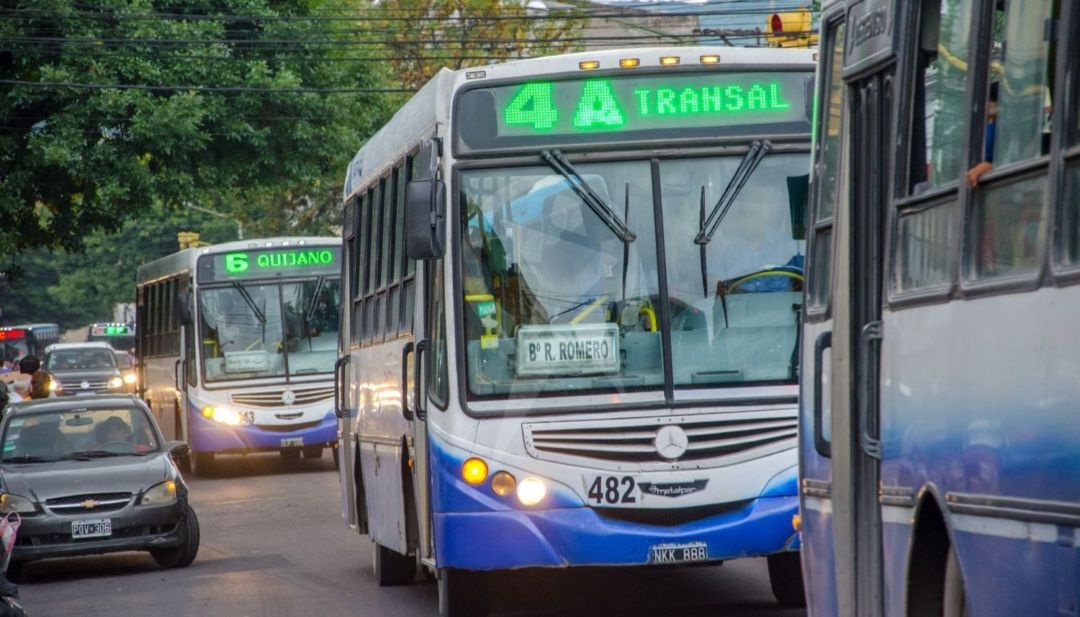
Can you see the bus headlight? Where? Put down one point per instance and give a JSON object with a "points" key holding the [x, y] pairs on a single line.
{"points": [[503, 483], [116, 382], [16, 503], [129, 379], [159, 494], [474, 471], [531, 491], [224, 415]]}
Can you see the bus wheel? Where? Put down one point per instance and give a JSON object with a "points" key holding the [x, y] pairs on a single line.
{"points": [[312, 452], [955, 600], [785, 577], [202, 463], [462, 593], [337, 457], [392, 568]]}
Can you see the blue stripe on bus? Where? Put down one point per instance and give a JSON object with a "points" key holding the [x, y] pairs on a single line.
{"points": [[474, 529], [209, 436]]}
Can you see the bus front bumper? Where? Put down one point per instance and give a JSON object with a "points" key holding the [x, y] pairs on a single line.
{"points": [[584, 537], [210, 436]]}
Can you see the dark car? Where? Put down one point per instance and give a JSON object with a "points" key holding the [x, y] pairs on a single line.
{"points": [[83, 368], [92, 475]]}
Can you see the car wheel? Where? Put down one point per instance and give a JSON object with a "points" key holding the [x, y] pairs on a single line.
{"points": [[290, 455], [14, 571], [181, 555], [392, 568], [462, 593], [313, 452], [202, 463], [785, 577]]}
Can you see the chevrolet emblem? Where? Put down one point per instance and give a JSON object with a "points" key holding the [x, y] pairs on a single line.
{"points": [[89, 504]]}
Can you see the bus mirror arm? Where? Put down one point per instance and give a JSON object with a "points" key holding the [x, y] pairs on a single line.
{"points": [[339, 394], [418, 363], [406, 410], [823, 447]]}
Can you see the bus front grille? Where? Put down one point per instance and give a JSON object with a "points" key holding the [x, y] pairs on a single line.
{"points": [[280, 397], [703, 440], [668, 517]]}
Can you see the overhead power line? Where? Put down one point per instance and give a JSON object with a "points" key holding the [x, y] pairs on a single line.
{"points": [[217, 89]]}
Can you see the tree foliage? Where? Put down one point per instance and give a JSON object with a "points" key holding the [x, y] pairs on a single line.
{"points": [[422, 36], [85, 156]]}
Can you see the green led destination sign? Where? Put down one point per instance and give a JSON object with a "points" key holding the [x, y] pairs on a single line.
{"points": [[611, 108], [270, 262]]}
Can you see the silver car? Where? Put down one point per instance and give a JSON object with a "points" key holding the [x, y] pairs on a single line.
{"points": [[93, 475]]}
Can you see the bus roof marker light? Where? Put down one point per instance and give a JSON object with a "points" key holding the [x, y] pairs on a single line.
{"points": [[531, 491], [589, 65], [629, 63], [476, 75], [710, 59], [669, 60], [474, 471]]}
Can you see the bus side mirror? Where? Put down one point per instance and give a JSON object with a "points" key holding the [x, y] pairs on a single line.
{"points": [[425, 213], [798, 188], [182, 306]]}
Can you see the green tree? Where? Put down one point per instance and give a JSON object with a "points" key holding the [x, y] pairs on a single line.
{"points": [[114, 110]]}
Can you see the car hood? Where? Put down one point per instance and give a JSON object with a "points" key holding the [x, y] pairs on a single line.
{"points": [[42, 481], [74, 377]]}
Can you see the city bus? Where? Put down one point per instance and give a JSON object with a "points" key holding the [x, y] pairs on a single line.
{"points": [[19, 341], [119, 336], [236, 345], [570, 338], [940, 438]]}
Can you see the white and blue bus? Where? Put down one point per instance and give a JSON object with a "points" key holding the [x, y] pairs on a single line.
{"points": [[940, 448], [573, 287], [236, 346]]}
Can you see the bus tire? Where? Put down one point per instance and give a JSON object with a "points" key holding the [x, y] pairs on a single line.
{"points": [[462, 593], [785, 578], [202, 463], [955, 599], [337, 457], [392, 568], [312, 452]]}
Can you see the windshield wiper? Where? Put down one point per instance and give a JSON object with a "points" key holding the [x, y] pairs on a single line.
{"points": [[603, 211], [320, 284], [29, 458], [88, 454], [750, 162], [250, 302]]}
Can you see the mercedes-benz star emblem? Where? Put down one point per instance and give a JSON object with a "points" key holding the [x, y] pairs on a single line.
{"points": [[671, 442], [288, 397], [85, 385]]}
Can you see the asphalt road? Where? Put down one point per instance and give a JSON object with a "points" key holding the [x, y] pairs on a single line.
{"points": [[273, 545]]}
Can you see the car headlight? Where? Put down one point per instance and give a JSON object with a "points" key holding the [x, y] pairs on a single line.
{"points": [[129, 379], [16, 503], [160, 494], [54, 385], [116, 382]]}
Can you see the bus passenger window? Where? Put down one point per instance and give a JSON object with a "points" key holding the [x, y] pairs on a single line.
{"points": [[1010, 223], [937, 139]]}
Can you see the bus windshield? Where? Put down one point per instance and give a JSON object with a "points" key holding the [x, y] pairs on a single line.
{"points": [[555, 303], [258, 330]]}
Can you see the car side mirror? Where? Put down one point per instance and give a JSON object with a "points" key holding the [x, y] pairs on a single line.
{"points": [[178, 449], [425, 213], [798, 188]]}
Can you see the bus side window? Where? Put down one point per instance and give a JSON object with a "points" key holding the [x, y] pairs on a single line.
{"points": [[1009, 216]]}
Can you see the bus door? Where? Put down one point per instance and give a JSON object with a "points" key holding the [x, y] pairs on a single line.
{"points": [[856, 489], [428, 346], [343, 408], [185, 369]]}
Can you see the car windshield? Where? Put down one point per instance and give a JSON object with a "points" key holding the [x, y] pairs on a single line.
{"points": [[78, 434], [253, 330], [80, 359], [556, 303]]}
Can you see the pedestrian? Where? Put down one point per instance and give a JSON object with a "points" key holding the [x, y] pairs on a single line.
{"points": [[39, 385]]}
